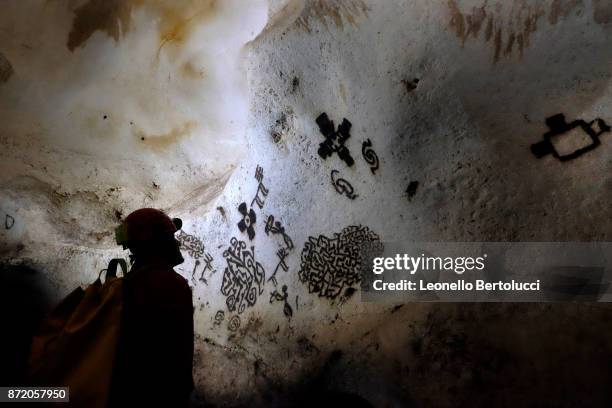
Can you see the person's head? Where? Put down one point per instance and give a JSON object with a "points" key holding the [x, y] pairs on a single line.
{"points": [[149, 235]]}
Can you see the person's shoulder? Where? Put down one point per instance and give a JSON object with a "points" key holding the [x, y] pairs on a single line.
{"points": [[163, 280], [168, 277]]}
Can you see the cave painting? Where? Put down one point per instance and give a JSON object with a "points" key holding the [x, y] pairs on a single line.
{"points": [[219, 317], [234, 323], [196, 249], [334, 139], [262, 191], [281, 254], [249, 217], [207, 268], [328, 265], [342, 186], [8, 222], [190, 243], [275, 227], [275, 296], [335, 143], [243, 278], [370, 155], [247, 223], [559, 127]]}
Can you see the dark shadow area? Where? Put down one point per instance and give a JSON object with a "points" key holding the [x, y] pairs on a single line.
{"points": [[25, 297]]}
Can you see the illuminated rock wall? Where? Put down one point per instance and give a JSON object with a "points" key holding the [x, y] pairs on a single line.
{"points": [[213, 111]]}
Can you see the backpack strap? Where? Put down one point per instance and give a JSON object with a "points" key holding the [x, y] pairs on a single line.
{"points": [[111, 270]]}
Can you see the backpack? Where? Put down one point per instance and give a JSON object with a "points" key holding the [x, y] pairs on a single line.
{"points": [[77, 341]]}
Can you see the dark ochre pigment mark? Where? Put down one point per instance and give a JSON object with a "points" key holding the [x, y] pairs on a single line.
{"points": [[508, 26], [6, 69], [370, 155], [328, 265], [275, 296], [243, 278], [108, 16], [9, 221], [247, 223], [219, 317], [332, 13], [412, 189], [334, 140], [262, 191], [559, 128], [342, 186], [234, 323]]}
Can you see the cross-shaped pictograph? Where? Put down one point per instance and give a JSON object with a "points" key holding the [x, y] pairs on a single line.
{"points": [[334, 139]]}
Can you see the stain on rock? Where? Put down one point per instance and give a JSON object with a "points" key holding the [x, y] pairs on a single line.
{"points": [[510, 44], [507, 26], [561, 9], [396, 308], [295, 84], [282, 126], [338, 12], [602, 11], [412, 189], [189, 70], [178, 22], [457, 22], [489, 29], [498, 44], [468, 24], [6, 69], [113, 17], [306, 347], [410, 84], [109, 16], [163, 141]]}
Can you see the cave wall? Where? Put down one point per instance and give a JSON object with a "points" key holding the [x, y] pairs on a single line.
{"points": [[198, 107]]}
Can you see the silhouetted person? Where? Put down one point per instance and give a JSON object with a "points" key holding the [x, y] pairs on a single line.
{"points": [[154, 363]]}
